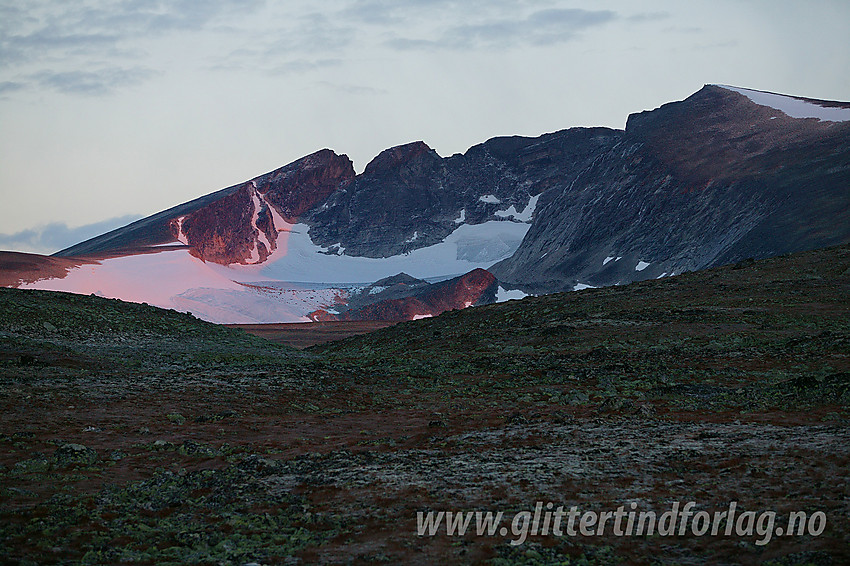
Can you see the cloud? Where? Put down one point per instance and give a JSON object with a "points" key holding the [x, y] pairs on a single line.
{"points": [[648, 17], [352, 89], [304, 65], [543, 27], [116, 20], [683, 29], [292, 44], [95, 47], [57, 235], [317, 32], [393, 12], [55, 40], [99, 82], [11, 86]]}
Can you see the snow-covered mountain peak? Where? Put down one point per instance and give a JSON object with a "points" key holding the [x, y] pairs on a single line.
{"points": [[796, 107]]}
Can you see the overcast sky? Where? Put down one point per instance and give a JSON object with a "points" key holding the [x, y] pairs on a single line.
{"points": [[115, 110]]}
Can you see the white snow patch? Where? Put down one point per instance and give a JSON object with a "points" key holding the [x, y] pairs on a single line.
{"points": [[280, 224], [490, 199], [662, 275], [174, 279], [607, 259], [462, 218], [413, 238], [255, 254], [469, 247], [181, 237], [377, 289], [793, 107], [525, 215], [582, 286], [641, 265], [294, 281], [261, 236], [503, 295], [618, 258], [241, 307], [420, 316], [151, 278], [268, 301]]}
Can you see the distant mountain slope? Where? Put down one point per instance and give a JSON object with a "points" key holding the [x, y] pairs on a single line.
{"points": [[710, 180], [727, 174]]}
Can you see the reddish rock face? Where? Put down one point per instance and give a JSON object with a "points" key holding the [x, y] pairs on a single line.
{"points": [[240, 227], [462, 292], [306, 183], [222, 231], [235, 224]]}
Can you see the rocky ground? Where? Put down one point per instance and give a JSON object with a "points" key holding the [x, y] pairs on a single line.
{"points": [[136, 435], [305, 334]]}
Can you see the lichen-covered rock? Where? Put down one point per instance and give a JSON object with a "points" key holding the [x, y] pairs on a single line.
{"points": [[75, 454]]}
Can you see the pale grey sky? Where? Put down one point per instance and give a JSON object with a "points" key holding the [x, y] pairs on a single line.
{"points": [[113, 110]]}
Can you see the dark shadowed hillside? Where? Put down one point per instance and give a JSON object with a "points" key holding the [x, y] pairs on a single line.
{"points": [[133, 434]]}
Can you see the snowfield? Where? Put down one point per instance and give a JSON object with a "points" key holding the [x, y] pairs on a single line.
{"points": [[525, 215], [503, 295], [298, 278], [469, 247], [793, 107]]}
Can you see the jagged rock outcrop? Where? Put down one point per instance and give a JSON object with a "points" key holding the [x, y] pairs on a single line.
{"points": [[409, 197]]}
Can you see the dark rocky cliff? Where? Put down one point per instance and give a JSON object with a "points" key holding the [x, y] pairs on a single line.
{"points": [[410, 197], [710, 180]]}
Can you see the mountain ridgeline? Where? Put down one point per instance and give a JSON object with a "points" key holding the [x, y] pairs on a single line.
{"points": [[724, 175], [708, 181]]}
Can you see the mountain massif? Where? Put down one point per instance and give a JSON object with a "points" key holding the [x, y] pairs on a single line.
{"points": [[724, 175]]}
